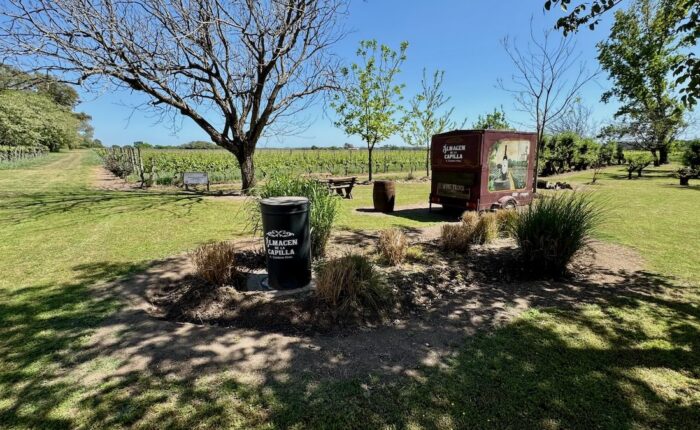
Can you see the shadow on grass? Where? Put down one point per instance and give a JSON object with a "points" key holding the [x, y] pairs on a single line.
{"points": [[691, 187], [35, 206], [564, 366], [417, 214]]}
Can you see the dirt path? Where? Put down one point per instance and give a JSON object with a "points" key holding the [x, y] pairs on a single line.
{"points": [[103, 179], [142, 342]]}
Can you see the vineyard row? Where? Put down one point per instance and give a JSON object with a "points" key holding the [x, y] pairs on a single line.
{"points": [[166, 166]]}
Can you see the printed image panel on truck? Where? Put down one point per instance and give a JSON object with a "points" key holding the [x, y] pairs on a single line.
{"points": [[508, 165]]}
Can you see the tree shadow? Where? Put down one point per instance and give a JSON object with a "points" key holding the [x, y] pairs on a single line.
{"points": [[417, 214], [35, 206], [574, 363], [691, 187]]}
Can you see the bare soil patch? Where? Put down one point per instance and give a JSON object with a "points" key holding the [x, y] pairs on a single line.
{"points": [[103, 179], [431, 284], [173, 325]]}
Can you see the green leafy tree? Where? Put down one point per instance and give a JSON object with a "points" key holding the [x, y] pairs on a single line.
{"points": [[29, 119], [369, 102], [424, 118], [142, 145], [62, 94], [199, 144], [639, 56], [685, 23], [495, 120], [691, 154], [637, 162]]}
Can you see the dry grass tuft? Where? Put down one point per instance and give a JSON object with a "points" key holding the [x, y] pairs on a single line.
{"points": [[215, 263], [486, 230], [456, 237], [505, 218], [470, 219], [351, 283], [392, 245]]}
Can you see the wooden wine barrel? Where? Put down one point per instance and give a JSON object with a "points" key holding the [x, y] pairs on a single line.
{"points": [[384, 196]]}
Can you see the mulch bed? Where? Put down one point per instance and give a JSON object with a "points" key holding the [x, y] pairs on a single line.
{"points": [[426, 287]]}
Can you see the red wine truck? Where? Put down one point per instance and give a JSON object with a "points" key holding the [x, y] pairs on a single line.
{"points": [[482, 169]]}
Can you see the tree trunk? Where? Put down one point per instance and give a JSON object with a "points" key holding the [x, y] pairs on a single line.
{"points": [[539, 146], [369, 151], [427, 162], [684, 180], [663, 155], [656, 157], [245, 161], [629, 174]]}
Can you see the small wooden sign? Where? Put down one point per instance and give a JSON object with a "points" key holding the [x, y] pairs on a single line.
{"points": [[195, 178]]}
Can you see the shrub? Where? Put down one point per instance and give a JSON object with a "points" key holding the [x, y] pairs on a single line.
{"points": [[505, 219], [486, 230], [456, 237], [691, 154], [392, 245], [636, 162], [324, 206], [551, 230], [685, 174], [351, 283], [215, 263]]}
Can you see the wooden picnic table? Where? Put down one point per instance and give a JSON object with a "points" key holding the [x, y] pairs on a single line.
{"points": [[342, 186]]}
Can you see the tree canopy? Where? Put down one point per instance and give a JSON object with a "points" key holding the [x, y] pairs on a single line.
{"points": [[495, 120], [685, 23], [30, 119], [368, 105], [639, 56], [427, 114]]}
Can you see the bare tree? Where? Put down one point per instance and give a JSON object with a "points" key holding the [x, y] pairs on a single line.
{"points": [[548, 77], [576, 119], [237, 68]]}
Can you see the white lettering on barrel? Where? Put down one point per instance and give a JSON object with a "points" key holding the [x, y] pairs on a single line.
{"points": [[281, 248]]}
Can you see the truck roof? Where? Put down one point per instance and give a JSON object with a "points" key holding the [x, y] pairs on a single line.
{"points": [[484, 130]]}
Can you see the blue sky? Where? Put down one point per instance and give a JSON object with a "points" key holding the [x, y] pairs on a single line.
{"points": [[460, 37]]}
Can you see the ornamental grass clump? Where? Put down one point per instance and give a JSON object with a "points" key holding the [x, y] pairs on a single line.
{"points": [[470, 219], [324, 206], [505, 219], [392, 245], [351, 283], [486, 229], [215, 263], [456, 237], [552, 229]]}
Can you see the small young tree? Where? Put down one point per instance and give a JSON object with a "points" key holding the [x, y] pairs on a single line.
{"points": [[368, 103], [423, 119], [495, 120]]}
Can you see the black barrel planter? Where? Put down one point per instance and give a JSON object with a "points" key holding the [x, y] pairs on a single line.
{"points": [[384, 196], [285, 223]]}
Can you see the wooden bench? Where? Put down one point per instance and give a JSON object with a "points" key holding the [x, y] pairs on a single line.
{"points": [[342, 186]]}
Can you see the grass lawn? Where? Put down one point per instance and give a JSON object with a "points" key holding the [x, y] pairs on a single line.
{"points": [[632, 362], [652, 214]]}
